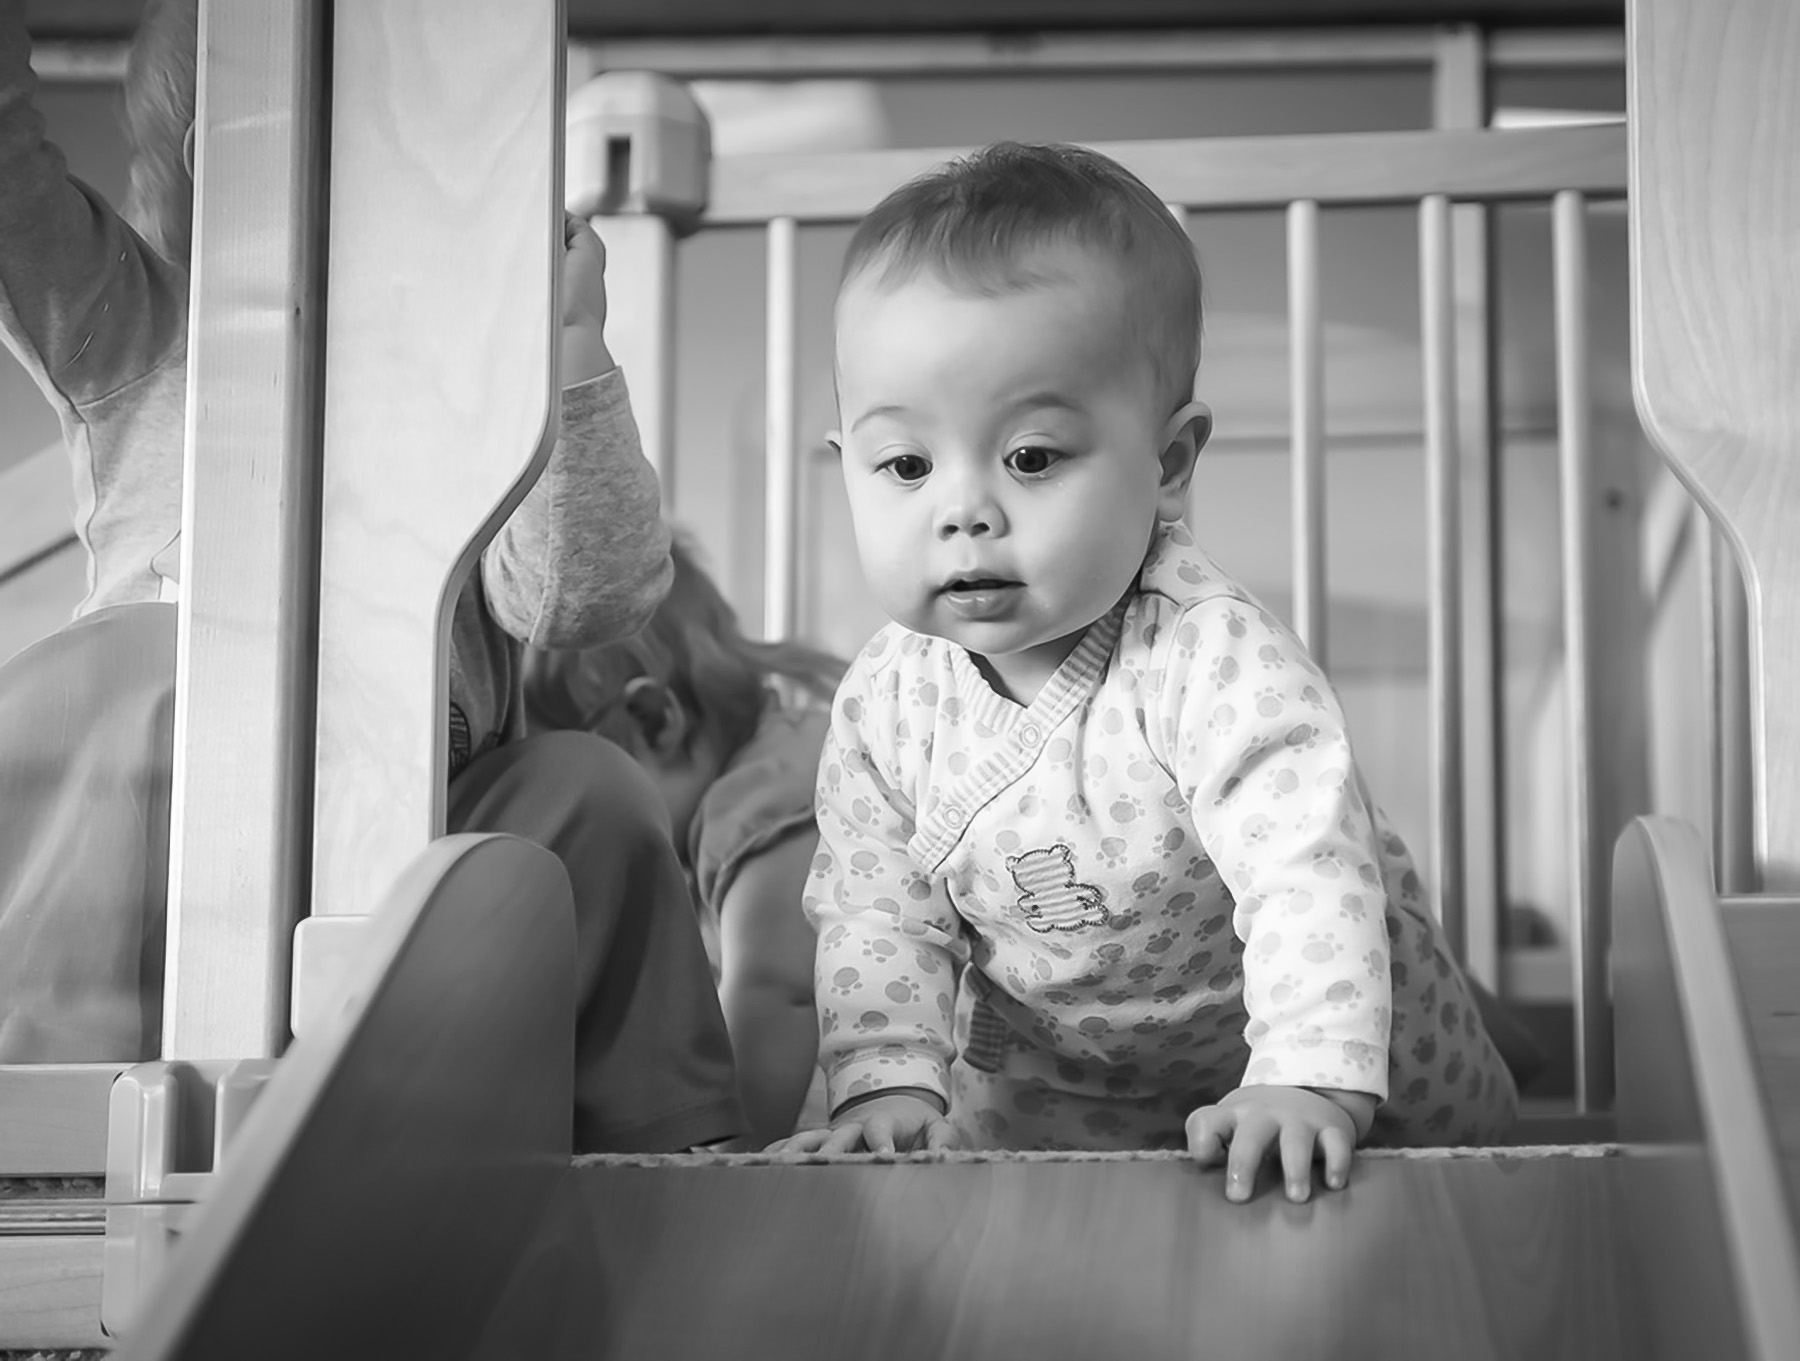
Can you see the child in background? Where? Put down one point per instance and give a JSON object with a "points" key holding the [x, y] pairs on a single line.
{"points": [[730, 730], [96, 309], [1097, 866]]}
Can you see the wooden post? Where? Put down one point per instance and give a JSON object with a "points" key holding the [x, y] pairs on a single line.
{"points": [[243, 691], [441, 394]]}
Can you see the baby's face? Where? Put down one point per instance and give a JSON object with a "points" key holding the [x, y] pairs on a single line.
{"points": [[1002, 458]]}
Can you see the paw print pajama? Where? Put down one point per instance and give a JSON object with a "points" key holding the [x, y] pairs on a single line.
{"points": [[1081, 919]]}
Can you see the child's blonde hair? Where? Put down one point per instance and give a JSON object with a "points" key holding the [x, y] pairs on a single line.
{"points": [[694, 646], [160, 76]]}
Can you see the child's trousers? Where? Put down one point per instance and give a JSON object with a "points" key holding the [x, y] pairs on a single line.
{"points": [[86, 737]]}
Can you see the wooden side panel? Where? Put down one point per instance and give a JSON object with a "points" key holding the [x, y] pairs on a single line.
{"points": [[243, 686], [391, 1173], [1720, 1244], [440, 387], [1714, 104]]}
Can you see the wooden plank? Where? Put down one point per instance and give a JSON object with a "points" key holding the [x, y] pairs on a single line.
{"points": [[1688, 1083], [904, 56], [117, 18], [1052, 1260], [243, 684], [53, 1119], [1714, 111], [50, 1292], [37, 511], [440, 388], [382, 1191], [1218, 172]]}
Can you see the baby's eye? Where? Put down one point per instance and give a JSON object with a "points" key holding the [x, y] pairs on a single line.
{"points": [[906, 467], [1033, 460]]}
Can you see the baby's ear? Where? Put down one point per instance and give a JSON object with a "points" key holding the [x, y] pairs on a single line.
{"points": [[1184, 436]]}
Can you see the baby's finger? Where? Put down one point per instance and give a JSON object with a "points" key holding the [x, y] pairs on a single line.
{"points": [[1339, 1149], [1208, 1132], [942, 1134], [1297, 1144], [1250, 1143], [806, 1141], [845, 1138], [878, 1134]]}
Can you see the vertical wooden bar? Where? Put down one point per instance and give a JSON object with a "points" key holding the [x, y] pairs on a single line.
{"points": [[441, 389], [1590, 927], [244, 684], [1460, 100], [1733, 731], [781, 486], [1306, 387], [1443, 548], [640, 330]]}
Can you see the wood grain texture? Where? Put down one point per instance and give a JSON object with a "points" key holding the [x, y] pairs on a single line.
{"points": [[440, 387], [50, 1292], [53, 1119], [389, 1176], [1217, 172], [1046, 1261], [1714, 104], [1688, 1085], [1092, 52], [1764, 938], [243, 679]]}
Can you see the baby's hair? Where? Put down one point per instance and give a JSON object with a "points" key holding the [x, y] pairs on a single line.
{"points": [[694, 646], [160, 75], [976, 221]]}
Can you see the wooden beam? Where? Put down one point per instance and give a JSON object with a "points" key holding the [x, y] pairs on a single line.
{"points": [[53, 1118], [618, 18], [1235, 173]]}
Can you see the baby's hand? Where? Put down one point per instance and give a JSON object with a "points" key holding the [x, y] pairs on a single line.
{"points": [[896, 1123], [1257, 1120], [584, 352]]}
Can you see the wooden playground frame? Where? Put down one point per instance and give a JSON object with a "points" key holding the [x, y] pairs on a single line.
{"points": [[1691, 977]]}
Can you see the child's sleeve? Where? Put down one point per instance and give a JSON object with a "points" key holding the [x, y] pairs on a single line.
{"points": [[85, 305], [1261, 754], [584, 559], [889, 941]]}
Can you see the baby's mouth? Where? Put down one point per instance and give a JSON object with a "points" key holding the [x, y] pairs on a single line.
{"points": [[971, 585], [978, 598]]}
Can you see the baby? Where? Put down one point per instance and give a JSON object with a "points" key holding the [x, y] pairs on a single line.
{"points": [[1097, 868]]}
